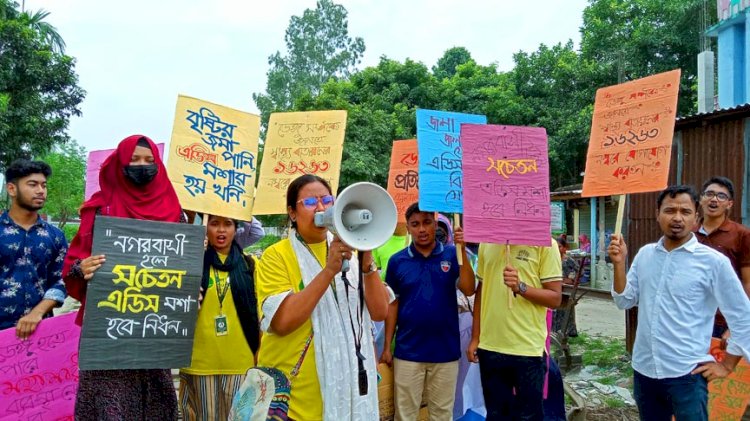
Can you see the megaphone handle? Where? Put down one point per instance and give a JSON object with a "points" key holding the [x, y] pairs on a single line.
{"points": [[345, 265]]}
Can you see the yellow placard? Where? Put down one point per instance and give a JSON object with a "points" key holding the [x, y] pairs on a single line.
{"points": [[212, 158], [299, 143]]}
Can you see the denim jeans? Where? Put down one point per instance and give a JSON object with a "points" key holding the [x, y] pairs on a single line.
{"points": [[501, 374], [685, 397]]}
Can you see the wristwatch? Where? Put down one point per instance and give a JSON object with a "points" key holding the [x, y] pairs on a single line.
{"points": [[373, 268], [522, 288]]}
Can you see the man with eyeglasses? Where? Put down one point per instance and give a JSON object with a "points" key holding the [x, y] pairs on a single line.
{"points": [[731, 239]]}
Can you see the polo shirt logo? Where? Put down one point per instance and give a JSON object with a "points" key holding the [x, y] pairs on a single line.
{"points": [[445, 265], [523, 255]]}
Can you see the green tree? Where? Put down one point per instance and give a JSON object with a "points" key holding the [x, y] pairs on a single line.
{"points": [[631, 39], [558, 84], [35, 21], [318, 48], [451, 59], [65, 187], [381, 102], [38, 90]]}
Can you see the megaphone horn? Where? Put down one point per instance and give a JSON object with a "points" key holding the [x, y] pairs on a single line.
{"points": [[363, 217]]}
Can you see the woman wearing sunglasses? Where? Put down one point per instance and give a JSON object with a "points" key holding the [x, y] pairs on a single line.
{"points": [[316, 322]]}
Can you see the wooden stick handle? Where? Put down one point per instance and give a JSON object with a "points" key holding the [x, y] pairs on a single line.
{"points": [[620, 215], [507, 263], [457, 224]]}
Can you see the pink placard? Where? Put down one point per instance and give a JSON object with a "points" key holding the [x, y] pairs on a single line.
{"points": [[94, 163], [506, 177], [39, 376]]}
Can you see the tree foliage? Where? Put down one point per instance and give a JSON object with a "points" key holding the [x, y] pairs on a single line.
{"points": [[553, 87], [38, 87], [318, 48], [630, 39], [65, 187]]}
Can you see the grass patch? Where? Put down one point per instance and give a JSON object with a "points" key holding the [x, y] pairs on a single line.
{"points": [[612, 402], [603, 352]]}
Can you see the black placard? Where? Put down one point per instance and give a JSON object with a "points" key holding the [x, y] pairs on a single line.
{"points": [[142, 304]]}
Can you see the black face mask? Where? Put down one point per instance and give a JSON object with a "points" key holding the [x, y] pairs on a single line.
{"points": [[140, 175]]}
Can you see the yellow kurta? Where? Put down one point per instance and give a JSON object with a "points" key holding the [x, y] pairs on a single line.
{"points": [[228, 354], [278, 272]]}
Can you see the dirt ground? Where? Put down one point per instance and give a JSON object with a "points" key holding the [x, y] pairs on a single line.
{"points": [[600, 317]]}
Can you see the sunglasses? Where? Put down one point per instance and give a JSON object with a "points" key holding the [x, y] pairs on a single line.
{"points": [[312, 201], [710, 194]]}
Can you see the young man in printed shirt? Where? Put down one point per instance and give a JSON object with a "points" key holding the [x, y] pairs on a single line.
{"points": [[31, 251]]}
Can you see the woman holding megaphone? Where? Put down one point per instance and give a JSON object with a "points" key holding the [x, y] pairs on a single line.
{"points": [[316, 320]]}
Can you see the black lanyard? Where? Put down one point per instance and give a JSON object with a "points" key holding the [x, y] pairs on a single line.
{"points": [[362, 372], [221, 292]]}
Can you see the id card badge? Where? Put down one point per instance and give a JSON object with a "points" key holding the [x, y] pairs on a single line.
{"points": [[220, 325]]}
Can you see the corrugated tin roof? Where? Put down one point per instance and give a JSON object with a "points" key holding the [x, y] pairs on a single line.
{"points": [[741, 110]]}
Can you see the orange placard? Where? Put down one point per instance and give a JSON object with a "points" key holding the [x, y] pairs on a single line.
{"points": [[403, 177], [631, 136], [728, 398]]}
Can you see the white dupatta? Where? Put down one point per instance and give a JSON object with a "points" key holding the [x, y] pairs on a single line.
{"points": [[335, 352]]}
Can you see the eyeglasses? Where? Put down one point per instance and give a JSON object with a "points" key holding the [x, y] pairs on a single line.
{"points": [[312, 201], [710, 194]]}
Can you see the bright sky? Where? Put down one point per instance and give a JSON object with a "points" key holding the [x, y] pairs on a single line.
{"points": [[134, 57]]}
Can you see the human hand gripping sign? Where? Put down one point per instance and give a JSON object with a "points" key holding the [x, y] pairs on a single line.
{"points": [[90, 265]]}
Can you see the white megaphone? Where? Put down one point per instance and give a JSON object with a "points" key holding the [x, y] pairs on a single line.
{"points": [[363, 217]]}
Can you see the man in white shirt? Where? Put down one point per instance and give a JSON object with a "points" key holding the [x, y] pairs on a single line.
{"points": [[678, 284]]}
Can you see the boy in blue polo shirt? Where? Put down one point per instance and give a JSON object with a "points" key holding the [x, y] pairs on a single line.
{"points": [[424, 277]]}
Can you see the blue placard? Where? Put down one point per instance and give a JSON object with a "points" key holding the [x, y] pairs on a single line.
{"points": [[440, 173]]}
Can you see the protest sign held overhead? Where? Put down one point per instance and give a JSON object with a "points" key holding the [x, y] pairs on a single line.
{"points": [[142, 304], [506, 175], [631, 136], [40, 374], [440, 175], [299, 143], [403, 177], [93, 165], [213, 157]]}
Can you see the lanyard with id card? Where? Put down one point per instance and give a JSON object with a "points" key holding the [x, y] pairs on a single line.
{"points": [[220, 322]]}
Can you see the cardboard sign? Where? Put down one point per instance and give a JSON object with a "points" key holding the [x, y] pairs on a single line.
{"points": [[39, 376], [142, 304], [296, 144], [506, 175], [94, 164], [403, 177], [440, 174], [631, 136], [728, 398], [213, 157]]}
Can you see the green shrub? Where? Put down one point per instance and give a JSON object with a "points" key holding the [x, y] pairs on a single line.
{"points": [[70, 231], [263, 244]]}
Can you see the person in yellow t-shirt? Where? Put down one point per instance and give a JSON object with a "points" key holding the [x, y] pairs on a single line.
{"points": [[508, 342], [302, 296], [227, 334]]}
